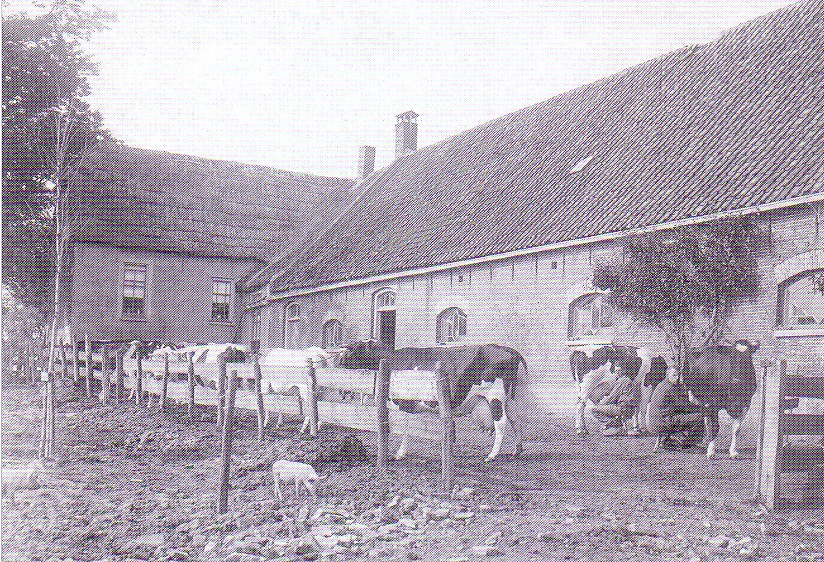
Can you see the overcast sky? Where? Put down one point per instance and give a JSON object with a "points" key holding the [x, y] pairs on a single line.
{"points": [[301, 85]]}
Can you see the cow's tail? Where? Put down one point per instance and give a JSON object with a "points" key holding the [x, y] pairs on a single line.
{"points": [[510, 383]]}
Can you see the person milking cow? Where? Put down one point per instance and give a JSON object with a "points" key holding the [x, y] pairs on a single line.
{"points": [[615, 403], [672, 417]]}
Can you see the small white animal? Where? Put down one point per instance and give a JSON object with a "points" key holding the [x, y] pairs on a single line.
{"points": [[14, 479], [288, 472]]}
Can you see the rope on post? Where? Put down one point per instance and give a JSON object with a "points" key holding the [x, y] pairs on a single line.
{"points": [[381, 399], [226, 445], [448, 427]]}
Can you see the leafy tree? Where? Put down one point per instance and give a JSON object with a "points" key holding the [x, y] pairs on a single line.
{"points": [[666, 279], [47, 129]]}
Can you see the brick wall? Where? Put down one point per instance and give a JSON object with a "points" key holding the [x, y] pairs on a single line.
{"points": [[524, 303], [178, 295]]}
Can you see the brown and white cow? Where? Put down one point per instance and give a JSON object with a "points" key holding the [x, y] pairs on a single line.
{"points": [[595, 364], [482, 381], [721, 377]]}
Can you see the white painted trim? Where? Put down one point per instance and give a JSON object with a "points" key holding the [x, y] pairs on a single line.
{"points": [[798, 332], [807, 199]]}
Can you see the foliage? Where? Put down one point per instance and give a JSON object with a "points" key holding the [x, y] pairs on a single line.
{"points": [[47, 127], [23, 329], [666, 279]]}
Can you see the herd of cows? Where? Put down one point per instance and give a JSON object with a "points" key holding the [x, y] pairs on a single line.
{"points": [[485, 380]]}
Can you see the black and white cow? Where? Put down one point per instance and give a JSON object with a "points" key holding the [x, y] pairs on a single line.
{"points": [[595, 364], [722, 377], [482, 380]]}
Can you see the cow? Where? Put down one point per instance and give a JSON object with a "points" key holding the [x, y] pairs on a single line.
{"points": [[595, 364], [482, 380], [721, 377]]}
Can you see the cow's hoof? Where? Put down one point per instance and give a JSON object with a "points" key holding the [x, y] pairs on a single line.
{"points": [[519, 449], [582, 432], [734, 454], [488, 460]]}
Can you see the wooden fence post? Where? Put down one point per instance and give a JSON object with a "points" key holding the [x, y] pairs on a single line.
{"points": [[75, 364], [47, 429], [313, 399], [221, 388], [118, 372], [381, 399], [226, 445], [64, 364], [105, 375], [88, 349], [448, 427], [138, 384], [261, 412], [759, 453], [165, 388], [191, 407]]}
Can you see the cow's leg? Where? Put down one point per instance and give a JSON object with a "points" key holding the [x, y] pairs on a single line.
{"points": [[499, 422], [278, 490], [279, 422], [736, 428], [580, 405], [305, 425], [711, 431], [404, 448], [516, 427]]}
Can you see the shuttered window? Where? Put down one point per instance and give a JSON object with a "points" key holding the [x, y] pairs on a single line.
{"points": [[590, 315]]}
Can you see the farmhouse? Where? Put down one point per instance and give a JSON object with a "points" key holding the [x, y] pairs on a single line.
{"points": [[164, 240], [491, 235]]}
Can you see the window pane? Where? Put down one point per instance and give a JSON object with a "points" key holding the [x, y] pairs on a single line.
{"points": [[134, 290], [803, 304]]}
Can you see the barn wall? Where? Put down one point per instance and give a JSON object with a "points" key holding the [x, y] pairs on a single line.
{"points": [[524, 303], [178, 300]]}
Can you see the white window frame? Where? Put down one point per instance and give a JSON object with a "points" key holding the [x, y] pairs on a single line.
{"points": [[599, 331], [127, 284], [456, 324], [229, 296], [377, 308], [336, 325], [291, 319]]}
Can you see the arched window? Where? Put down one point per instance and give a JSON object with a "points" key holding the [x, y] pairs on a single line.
{"points": [[450, 325], [801, 302], [292, 326], [332, 334], [383, 316], [589, 315]]}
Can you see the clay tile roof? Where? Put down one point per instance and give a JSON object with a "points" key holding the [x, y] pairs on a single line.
{"points": [[708, 128], [156, 200]]}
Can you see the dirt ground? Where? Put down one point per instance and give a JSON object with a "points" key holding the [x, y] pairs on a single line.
{"points": [[134, 484]]}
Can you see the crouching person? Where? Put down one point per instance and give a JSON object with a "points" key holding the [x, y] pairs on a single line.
{"points": [[613, 409], [675, 420]]}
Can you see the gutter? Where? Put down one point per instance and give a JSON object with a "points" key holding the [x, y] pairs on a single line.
{"points": [[756, 209]]}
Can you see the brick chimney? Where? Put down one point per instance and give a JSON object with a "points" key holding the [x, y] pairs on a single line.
{"points": [[406, 134], [366, 161]]}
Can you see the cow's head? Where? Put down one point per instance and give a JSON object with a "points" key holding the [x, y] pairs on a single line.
{"points": [[364, 354]]}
